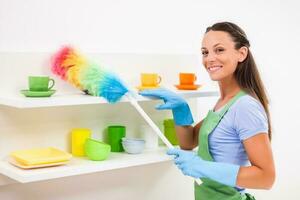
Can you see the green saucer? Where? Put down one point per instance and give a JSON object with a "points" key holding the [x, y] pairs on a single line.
{"points": [[29, 93]]}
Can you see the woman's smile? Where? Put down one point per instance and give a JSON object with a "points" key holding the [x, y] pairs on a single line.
{"points": [[214, 68]]}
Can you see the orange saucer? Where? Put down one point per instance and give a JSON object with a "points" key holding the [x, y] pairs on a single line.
{"points": [[187, 87], [147, 87]]}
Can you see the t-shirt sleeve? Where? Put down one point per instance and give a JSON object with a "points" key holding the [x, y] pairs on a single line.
{"points": [[250, 118]]}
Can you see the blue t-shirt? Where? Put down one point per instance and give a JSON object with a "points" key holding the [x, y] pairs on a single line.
{"points": [[244, 119]]}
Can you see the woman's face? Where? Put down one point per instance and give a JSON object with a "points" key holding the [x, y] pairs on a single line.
{"points": [[219, 56]]}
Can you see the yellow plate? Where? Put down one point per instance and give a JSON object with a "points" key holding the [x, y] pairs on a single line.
{"points": [[15, 163], [40, 156]]}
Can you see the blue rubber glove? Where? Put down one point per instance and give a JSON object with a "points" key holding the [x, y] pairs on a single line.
{"points": [[181, 110], [192, 165]]}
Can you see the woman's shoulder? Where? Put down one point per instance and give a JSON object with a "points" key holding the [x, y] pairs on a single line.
{"points": [[248, 103], [249, 117]]}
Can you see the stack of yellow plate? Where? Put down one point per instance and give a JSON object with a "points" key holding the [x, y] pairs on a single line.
{"points": [[41, 157]]}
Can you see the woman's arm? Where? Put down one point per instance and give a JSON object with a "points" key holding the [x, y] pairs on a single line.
{"points": [[261, 173], [188, 136]]}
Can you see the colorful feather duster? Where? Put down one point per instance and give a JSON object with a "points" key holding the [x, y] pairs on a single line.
{"points": [[87, 76]]}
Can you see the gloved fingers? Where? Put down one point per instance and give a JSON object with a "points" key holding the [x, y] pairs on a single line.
{"points": [[180, 159], [188, 170], [183, 166], [173, 152], [179, 166], [164, 106], [152, 93], [190, 173], [185, 170], [181, 153]]}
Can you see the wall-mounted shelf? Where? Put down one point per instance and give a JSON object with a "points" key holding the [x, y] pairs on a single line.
{"points": [[78, 166], [19, 101]]}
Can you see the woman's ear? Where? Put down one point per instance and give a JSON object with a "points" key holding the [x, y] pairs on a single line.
{"points": [[243, 52]]}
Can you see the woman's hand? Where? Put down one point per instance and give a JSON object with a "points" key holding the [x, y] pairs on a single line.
{"points": [[192, 165], [181, 111]]}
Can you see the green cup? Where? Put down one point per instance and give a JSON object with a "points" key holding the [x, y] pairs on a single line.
{"points": [[40, 83], [96, 150], [115, 135], [170, 132]]}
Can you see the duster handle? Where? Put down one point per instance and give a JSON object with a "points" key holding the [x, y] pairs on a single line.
{"points": [[153, 125], [150, 122]]}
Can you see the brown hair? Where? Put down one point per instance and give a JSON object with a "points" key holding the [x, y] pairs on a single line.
{"points": [[246, 73]]}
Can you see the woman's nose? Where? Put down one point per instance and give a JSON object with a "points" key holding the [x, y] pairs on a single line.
{"points": [[210, 57]]}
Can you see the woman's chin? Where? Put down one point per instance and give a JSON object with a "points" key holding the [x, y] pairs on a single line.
{"points": [[215, 78], [218, 76]]}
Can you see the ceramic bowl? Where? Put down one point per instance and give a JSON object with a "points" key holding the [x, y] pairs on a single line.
{"points": [[133, 146], [133, 140], [96, 150]]}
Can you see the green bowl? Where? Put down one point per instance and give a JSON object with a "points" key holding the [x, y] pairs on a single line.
{"points": [[96, 150]]}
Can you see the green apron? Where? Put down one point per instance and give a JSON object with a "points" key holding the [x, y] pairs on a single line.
{"points": [[209, 189]]}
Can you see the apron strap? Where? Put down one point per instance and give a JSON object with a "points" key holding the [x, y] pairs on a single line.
{"points": [[232, 101]]}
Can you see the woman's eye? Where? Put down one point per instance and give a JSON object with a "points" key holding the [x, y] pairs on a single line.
{"points": [[204, 53], [219, 50]]}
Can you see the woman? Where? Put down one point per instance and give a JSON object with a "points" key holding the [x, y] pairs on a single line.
{"points": [[236, 132]]}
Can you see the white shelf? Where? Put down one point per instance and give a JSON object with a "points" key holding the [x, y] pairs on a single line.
{"points": [[19, 101], [78, 166]]}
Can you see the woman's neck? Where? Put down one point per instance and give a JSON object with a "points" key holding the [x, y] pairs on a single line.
{"points": [[228, 88]]}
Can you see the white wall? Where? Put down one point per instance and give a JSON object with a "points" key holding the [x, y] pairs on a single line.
{"points": [[169, 27]]}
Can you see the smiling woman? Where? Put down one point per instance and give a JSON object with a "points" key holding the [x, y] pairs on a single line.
{"points": [[230, 49], [219, 52], [234, 138]]}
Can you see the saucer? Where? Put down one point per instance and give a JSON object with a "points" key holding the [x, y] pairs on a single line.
{"points": [[29, 93], [147, 87], [187, 87]]}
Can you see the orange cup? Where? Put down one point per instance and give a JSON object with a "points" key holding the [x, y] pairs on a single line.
{"points": [[150, 80], [187, 78]]}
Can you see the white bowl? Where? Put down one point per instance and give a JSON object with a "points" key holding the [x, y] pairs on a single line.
{"points": [[133, 148], [133, 140]]}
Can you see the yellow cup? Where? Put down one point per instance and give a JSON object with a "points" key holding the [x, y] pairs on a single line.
{"points": [[78, 138], [148, 79]]}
